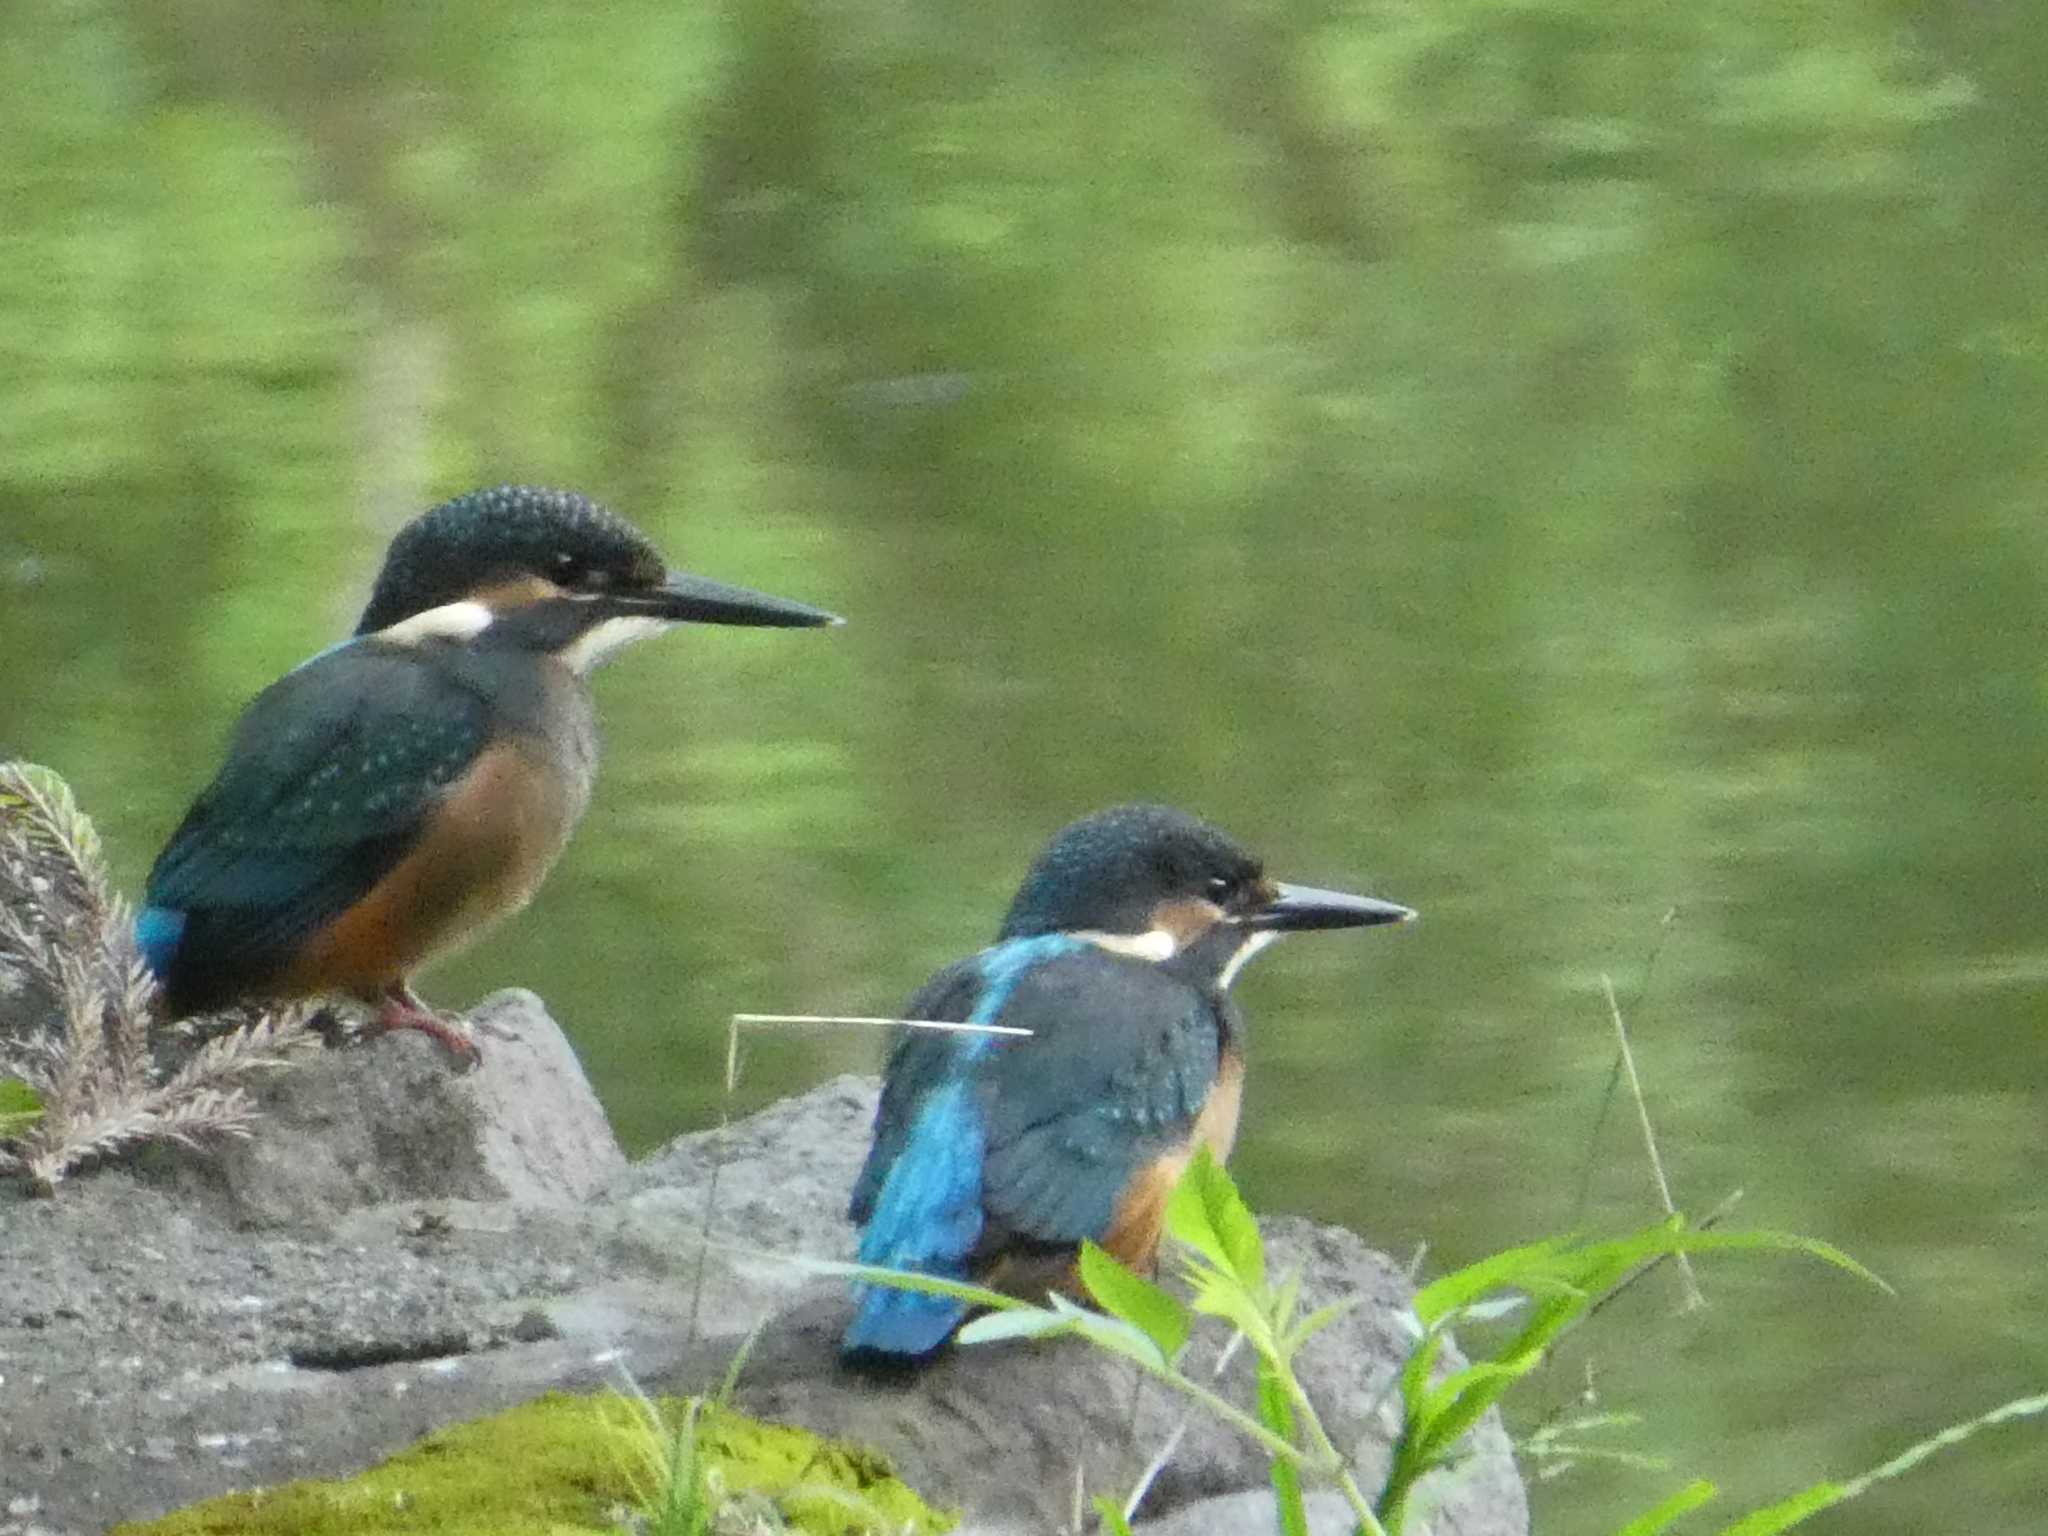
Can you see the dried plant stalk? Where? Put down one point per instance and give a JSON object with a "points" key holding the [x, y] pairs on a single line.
{"points": [[96, 1060]]}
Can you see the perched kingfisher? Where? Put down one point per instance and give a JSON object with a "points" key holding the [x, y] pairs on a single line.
{"points": [[384, 801], [995, 1155]]}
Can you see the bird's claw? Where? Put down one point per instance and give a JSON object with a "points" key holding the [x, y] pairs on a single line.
{"points": [[402, 1010]]}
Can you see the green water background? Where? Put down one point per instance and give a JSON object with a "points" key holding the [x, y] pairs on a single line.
{"points": [[1554, 464]]}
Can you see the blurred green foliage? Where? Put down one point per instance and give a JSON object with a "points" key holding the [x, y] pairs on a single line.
{"points": [[1550, 462]]}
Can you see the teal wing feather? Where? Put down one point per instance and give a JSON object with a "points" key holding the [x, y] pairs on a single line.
{"points": [[1122, 1060], [328, 783]]}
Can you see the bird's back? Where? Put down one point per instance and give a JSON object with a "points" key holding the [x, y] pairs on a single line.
{"points": [[331, 781], [990, 1151]]}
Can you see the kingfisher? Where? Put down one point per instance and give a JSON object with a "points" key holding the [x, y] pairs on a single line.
{"points": [[994, 1155], [384, 801]]}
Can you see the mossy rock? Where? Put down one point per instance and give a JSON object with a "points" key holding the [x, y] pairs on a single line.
{"points": [[563, 1464]]}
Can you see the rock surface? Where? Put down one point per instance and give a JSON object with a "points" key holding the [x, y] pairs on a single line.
{"points": [[528, 1130], [404, 1246]]}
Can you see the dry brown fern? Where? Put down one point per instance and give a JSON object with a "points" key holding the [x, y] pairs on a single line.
{"points": [[107, 1072]]}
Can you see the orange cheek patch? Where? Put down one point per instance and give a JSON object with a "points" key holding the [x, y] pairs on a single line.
{"points": [[1187, 920], [516, 592]]}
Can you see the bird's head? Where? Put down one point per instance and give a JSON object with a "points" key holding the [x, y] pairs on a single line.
{"points": [[1152, 881], [557, 570]]}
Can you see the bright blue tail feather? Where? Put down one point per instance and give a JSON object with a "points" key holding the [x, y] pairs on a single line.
{"points": [[157, 932], [906, 1323], [927, 1218]]}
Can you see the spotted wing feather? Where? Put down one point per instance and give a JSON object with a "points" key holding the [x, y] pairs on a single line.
{"points": [[328, 783], [1122, 1059]]}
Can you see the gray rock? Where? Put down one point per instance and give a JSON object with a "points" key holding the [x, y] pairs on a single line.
{"points": [[1233, 1514], [395, 1121], [405, 1246]]}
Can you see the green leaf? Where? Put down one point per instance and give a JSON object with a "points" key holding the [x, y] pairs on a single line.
{"points": [[1206, 1212], [1462, 1287], [1317, 1321], [1135, 1299], [1286, 1302], [1492, 1311], [1221, 1294], [1063, 1318], [1032, 1323], [1557, 1265], [1485, 1373], [1111, 1514], [1562, 1277], [1686, 1500]]}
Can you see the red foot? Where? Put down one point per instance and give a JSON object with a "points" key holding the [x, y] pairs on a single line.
{"points": [[402, 1010]]}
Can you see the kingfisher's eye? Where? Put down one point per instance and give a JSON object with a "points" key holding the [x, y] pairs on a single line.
{"points": [[1221, 888], [577, 573]]}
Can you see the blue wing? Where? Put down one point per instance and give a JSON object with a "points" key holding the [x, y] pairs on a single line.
{"points": [[1121, 1061], [326, 786], [986, 1143], [918, 1197]]}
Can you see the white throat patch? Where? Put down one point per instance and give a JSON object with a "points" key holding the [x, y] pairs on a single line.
{"points": [[1254, 941], [1157, 945], [451, 621], [607, 636]]}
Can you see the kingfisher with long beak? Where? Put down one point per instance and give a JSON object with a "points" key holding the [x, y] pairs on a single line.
{"points": [[994, 1155], [385, 801]]}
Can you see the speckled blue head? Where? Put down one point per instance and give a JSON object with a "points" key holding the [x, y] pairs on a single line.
{"points": [[520, 544], [1111, 872], [1153, 870], [495, 537]]}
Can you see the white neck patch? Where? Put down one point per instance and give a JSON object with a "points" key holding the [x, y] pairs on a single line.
{"points": [[1156, 945], [1254, 941], [451, 621], [607, 636]]}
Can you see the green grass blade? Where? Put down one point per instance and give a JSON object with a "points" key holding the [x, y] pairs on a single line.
{"points": [[1683, 1502], [1555, 1265], [1462, 1287], [1112, 1516], [900, 1279], [740, 1357], [1565, 1277], [1786, 1513], [1277, 1414]]}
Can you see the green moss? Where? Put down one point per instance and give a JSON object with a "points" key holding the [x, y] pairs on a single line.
{"points": [[571, 1464], [19, 1106]]}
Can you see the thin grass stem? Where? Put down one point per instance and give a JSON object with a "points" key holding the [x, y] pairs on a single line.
{"points": [[1694, 1299], [946, 1026], [1607, 1091]]}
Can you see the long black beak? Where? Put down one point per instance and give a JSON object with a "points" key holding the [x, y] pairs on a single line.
{"points": [[1303, 906], [686, 599]]}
